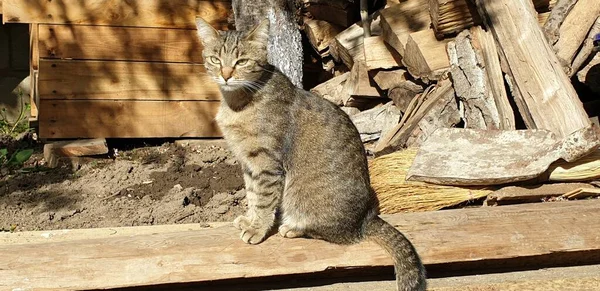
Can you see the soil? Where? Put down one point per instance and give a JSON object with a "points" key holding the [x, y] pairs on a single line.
{"points": [[133, 185]]}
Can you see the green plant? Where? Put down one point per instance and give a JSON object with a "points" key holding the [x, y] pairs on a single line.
{"points": [[19, 125], [17, 159]]}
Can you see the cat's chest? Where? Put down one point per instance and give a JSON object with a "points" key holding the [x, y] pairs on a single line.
{"points": [[238, 124]]}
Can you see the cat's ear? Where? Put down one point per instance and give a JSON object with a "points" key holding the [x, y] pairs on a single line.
{"points": [[260, 33], [206, 33]]}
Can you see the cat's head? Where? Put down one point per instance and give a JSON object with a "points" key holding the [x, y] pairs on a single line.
{"points": [[234, 59]]}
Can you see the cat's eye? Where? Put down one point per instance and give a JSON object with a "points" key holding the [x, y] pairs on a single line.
{"points": [[214, 60], [242, 62]]}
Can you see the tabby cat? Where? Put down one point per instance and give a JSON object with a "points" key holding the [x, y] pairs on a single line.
{"points": [[304, 164]]}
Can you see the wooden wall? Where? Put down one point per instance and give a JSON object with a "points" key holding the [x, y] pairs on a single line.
{"points": [[120, 68]]}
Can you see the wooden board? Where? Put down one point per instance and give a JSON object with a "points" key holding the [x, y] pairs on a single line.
{"points": [[146, 13], [95, 42], [544, 93], [66, 79], [531, 193], [560, 233], [124, 119], [34, 61]]}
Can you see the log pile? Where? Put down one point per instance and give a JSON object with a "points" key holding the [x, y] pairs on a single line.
{"points": [[457, 63]]}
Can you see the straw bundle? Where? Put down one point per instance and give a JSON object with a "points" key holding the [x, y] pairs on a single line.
{"points": [[388, 178]]}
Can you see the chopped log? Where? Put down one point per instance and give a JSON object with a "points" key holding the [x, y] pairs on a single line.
{"points": [[338, 12], [358, 84], [452, 16], [385, 79], [590, 74], [574, 29], [373, 123], [472, 83], [543, 18], [333, 89], [347, 46], [529, 194], [320, 33], [556, 18], [512, 238], [583, 169], [420, 106], [378, 55], [425, 57], [545, 91], [400, 20], [73, 148], [585, 53], [404, 93]]}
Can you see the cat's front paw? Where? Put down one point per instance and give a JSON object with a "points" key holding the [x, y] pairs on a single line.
{"points": [[288, 232], [249, 234]]}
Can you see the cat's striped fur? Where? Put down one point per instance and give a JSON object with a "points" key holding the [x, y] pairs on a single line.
{"points": [[303, 161]]}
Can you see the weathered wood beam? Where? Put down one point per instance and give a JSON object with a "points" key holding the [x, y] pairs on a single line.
{"points": [[562, 232]]}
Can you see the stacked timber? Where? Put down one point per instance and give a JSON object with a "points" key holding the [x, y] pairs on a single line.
{"points": [[120, 69]]}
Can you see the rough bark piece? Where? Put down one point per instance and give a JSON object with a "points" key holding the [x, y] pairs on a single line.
{"points": [[333, 89], [175, 258], [528, 194], [471, 83], [535, 72], [574, 29], [347, 46], [587, 49], [460, 156], [387, 79], [557, 16], [378, 55], [452, 16], [404, 93], [419, 107], [425, 56], [320, 33], [400, 20], [375, 122]]}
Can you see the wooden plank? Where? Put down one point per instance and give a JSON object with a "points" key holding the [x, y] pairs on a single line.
{"points": [[34, 62], [532, 193], [562, 232], [544, 91], [66, 79], [124, 119], [144, 13], [95, 42], [56, 151]]}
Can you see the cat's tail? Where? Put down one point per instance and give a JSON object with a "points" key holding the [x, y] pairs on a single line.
{"points": [[410, 272]]}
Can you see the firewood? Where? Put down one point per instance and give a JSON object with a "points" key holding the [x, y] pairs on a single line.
{"points": [[586, 49], [320, 33], [426, 57], [386, 79], [333, 89], [436, 106], [478, 81], [358, 84], [529, 194], [338, 12], [404, 93], [373, 123], [378, 55], [347, 46], [400, 20], [546, 99], [574, 29], [556, 18], [590, 74], [452, 16]]}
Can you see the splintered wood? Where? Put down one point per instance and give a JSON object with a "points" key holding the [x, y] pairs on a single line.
{"points": [[545, 97], [452, 16]]}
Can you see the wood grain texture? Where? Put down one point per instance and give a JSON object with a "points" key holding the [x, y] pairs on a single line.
{"points": [[66, 79], [127, 119], [347, 46], [93, 42], [544, 90], [144, 13], [34, 61], [400, 20], [452, 16], [566, 230], [425, 56], [378, 55]]}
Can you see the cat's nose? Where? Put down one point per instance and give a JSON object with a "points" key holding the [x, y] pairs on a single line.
{"points": [[226, 72]]}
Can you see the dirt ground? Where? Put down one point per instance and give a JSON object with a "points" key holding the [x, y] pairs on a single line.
{"points": [[133, 185]]}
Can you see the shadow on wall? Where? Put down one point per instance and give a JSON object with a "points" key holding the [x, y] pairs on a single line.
{"points": [[14, 69]]}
